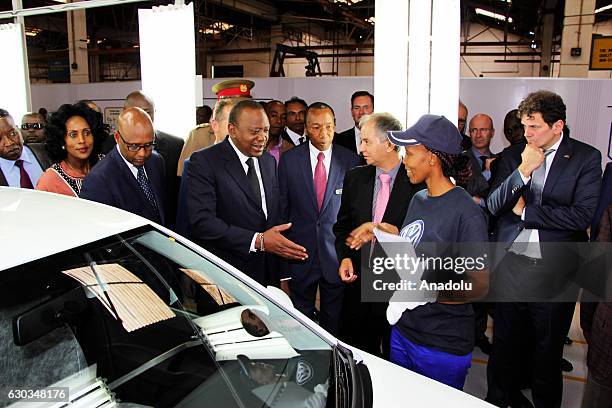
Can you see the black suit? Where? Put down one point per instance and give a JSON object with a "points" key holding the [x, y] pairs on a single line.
{"points": [[41, 155], [170, 147], [347, 140], [112, 182], [568, 202], [364, 324], [224, 213]]}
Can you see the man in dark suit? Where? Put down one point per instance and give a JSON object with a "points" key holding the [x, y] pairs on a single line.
{"points": [[20, 165], [168, 146], [462, 115], [233, 198], [310, 179], [296, 113], [544, 191], [362, 103], [378, 192], [131, 176]]}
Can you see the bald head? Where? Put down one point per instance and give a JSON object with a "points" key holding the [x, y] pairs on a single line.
{"points": [[139, 99], [135, 135], [481, 132]]}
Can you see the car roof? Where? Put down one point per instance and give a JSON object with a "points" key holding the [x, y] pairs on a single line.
{"points": [[35, 224]]}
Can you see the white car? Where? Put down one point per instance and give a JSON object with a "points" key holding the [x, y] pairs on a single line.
{"points": [[100, 307]]}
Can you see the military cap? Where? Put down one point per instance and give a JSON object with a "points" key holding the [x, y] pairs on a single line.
{"points": [[232, 88]]}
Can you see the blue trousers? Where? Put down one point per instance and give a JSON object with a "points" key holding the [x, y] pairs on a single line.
{"points": [[443, 367]]}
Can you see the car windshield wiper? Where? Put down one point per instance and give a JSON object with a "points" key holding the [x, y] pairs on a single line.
{"points": [[103, 287]]}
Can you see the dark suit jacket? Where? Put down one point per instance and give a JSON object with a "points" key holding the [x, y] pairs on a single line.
{"points": [[605, 199], [223, 211], [39, 151], [568, 200], [356, 206], [170, 147], [347, 140], [111, 182], [285, 136], [477, 185], [310, 227]]}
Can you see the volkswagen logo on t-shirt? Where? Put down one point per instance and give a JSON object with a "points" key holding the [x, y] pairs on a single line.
{"points": [[413, 232], [303, 373]]}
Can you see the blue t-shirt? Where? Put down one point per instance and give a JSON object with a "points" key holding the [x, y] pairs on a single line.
{"points": [[450, 218]]}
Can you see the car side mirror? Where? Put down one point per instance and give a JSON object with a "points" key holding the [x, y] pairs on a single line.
{"points": [[280, 296]]}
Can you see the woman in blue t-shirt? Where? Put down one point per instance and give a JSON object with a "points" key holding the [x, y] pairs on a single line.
{"points": [[436, 339]]}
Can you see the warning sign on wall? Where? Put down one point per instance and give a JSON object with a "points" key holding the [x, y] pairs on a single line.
{"points": [[601, 53]]}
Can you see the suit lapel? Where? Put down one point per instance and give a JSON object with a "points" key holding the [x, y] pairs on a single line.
{"points": [[558, 166], [366, 194], [267, 179], [3, 182], [236, 172], [308, 180], [400, 190]]}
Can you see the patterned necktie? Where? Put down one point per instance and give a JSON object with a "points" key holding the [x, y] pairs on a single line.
{"points": [[146, 188], [382, 198], [24, 181], [253, 180], [320, 180]]}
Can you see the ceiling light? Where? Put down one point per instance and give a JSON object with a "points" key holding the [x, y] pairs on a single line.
{"points": [[492, 15], [604, 8], [32, 32], [370, 20]]}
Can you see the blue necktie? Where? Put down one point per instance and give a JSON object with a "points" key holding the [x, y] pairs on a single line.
{"points": [[146, 188]]}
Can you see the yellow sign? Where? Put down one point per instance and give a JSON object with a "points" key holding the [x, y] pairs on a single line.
{"points": [[601, 53]]}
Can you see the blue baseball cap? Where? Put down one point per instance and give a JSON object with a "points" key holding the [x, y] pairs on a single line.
{"points": [[433, 131]]}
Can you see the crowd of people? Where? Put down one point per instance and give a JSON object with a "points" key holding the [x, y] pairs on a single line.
{"points": [[274, 190]]}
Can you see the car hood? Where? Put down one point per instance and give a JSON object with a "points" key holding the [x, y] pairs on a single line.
{"points": [[395, 386]]}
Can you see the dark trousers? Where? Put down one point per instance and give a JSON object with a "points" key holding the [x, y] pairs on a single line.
{"points": [[547, 324], [304, 292], [364, 325], [480, 321]]}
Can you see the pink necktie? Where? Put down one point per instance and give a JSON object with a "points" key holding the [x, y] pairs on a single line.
{"points": [[382, 198], [320, 179]]}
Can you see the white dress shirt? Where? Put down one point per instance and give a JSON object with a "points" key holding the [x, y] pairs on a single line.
{"points": [[534, 235], [132, 168], [245, 167], [314, 152], [12, 173], [295, 138]]}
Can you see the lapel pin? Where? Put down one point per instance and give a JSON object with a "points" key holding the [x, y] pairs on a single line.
{"points": [[567, 156]]}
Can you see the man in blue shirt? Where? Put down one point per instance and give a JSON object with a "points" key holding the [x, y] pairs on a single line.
{"points": [[19, 167]]}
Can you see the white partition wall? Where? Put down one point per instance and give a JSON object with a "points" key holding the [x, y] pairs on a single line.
{"points": [[167, 62], [15, 95], [416, 58]]}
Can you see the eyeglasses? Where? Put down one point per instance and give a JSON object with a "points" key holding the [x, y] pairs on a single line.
{"points": [[134, 147], [36, 126], [481, 130]]}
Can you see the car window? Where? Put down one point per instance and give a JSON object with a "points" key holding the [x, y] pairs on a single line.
{"points": [[139, 319]]}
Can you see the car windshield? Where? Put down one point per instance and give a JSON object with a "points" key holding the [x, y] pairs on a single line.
{"points": [[139, 319]]}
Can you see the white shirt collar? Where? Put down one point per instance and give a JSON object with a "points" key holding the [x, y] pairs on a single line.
{"points": [[132, 168], [26, 155], [242, 157], [294, 136]]}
